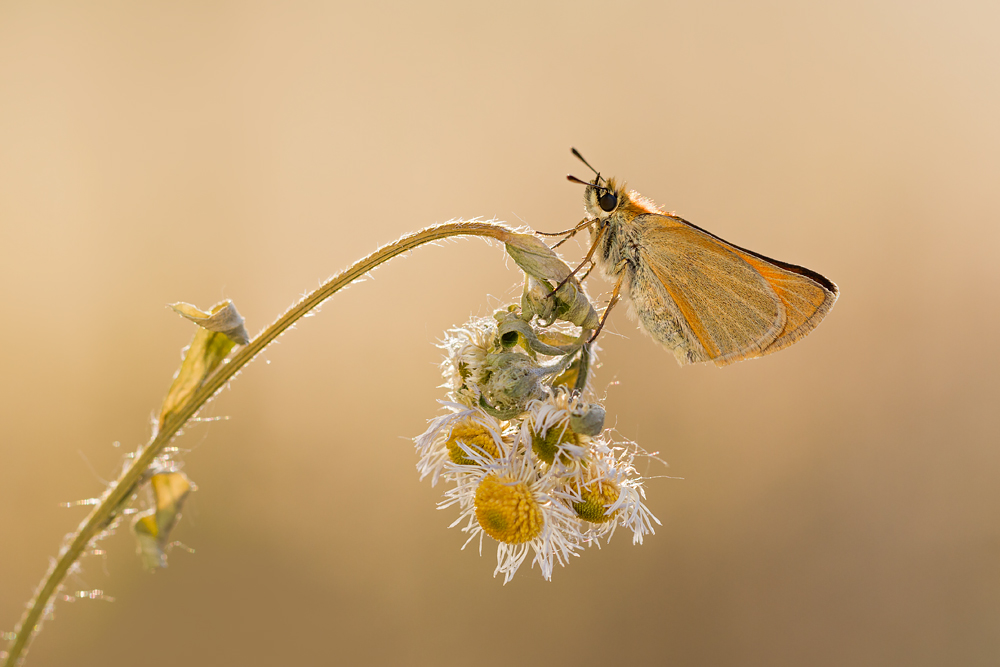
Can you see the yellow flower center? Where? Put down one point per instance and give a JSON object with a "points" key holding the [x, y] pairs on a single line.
{"points": [[507, 511], [597, 498], [475, 436], [546, 448]]}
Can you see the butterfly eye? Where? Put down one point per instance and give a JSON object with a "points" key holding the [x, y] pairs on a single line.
{"points": [[608, 202]]}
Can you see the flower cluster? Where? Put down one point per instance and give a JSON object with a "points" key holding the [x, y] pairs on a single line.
{"points": [[523, 444]]}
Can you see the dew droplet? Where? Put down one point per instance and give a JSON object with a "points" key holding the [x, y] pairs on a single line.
{"points": [[181, 545], [95, 594], [78, 503]]}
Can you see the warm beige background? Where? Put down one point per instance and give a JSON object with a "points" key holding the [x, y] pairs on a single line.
{"points": [[840, 500]]}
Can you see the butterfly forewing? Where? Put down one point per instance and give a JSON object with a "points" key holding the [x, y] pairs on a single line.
{"points": [[726, 308], [807, 300]]}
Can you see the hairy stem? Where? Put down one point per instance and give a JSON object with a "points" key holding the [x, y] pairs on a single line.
{"points": [[124, 488]]}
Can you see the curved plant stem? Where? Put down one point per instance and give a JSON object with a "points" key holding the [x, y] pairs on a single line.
{"points": [[122, 490]]}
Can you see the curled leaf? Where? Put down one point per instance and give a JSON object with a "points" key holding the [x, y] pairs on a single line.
{"points": [[583, 368], [546, 270], [570, 303], [206, 352], [509, 323], [536, 259], [223, 318], [557, 338], [496, 412], [152, 527]]}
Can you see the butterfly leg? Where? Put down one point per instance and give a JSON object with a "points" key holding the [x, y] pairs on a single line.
{"points": [[571, 232], [615, 298], [586, 259], [567, 238]]}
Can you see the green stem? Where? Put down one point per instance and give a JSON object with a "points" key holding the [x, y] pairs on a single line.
{"points": [[124, 488]]}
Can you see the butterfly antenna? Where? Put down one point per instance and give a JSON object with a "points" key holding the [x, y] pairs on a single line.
{"points": [[573, 179], [581, 159]]}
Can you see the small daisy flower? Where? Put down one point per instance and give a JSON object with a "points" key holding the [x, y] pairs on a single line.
{"points": [[547, 431], [466, 348], [510, 500], [449, 437], [609, 493], [592, 501]]}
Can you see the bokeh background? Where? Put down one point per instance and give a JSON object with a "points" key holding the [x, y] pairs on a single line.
{"points": [[840, 500]]}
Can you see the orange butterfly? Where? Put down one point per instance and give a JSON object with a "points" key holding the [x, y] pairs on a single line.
{"points": [[701, 297]]}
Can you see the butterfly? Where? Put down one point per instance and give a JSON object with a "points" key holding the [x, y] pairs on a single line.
{"points": [[701, 297]]}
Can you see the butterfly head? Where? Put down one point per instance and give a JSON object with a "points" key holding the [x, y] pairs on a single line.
{"points": [[602, 196]]}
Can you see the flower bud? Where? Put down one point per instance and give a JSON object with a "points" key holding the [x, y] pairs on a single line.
{"points": [[513, 380], [570, 303], [587, 419], [546, 270]]}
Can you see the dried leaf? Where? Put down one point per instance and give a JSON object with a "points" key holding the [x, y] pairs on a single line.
{"points": [[223, 318], [206, 352], [152, 527], [146, 533]]}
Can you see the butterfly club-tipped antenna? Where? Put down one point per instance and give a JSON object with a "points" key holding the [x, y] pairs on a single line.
{"points": [[573, 179], [581, 159], [598, 179]]}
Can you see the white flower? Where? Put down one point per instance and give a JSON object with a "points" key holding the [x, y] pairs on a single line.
{"points": [[510, 500], [465, 349], [448, 436], [608, 493], [547, 432]]}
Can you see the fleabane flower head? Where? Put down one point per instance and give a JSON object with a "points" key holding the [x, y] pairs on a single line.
{"points": [[465, 349], [510, 500], [608, 492], [547, 429], [451, 437]]}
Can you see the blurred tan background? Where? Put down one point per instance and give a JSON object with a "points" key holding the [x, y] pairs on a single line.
{"points": [[839, 502]]}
